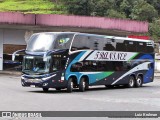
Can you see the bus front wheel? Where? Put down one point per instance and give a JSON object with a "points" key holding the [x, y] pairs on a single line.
{"points": [[70, 85], [131, 82], [139, 81], [109, 86], [45, 89]]}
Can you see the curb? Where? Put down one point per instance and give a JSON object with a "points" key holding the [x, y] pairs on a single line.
{"points": [[10, 73]]}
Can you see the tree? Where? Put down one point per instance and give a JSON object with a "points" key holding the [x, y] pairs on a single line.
{"points": [[115, 14], [99, 8], [77, 7], [126, 7], [154, 30], [143, 11], [155, 4]]}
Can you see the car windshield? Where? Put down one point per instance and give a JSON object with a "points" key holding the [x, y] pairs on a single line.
{"points": [[35, 65]]}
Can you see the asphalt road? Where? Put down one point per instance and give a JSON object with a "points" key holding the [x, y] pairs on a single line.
{"points": [[14, 97]]}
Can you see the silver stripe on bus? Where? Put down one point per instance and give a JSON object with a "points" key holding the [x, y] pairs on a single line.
{"points": [[85, 55]]}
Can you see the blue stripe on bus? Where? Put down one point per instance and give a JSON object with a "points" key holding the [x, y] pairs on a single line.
{"points": [[73, 61]]}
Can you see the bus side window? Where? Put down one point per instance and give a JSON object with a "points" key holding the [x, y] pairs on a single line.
{"points": [[120, 45], [77, 67], [81, 42], [55, 65], [131, 46], [150, 47], [141, 47], [110, 46]]}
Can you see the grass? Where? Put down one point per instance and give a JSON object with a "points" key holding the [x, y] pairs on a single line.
{"points": [[31, 6]]}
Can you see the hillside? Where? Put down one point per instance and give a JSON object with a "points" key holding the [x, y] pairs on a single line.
{"points": [[31, 6]]}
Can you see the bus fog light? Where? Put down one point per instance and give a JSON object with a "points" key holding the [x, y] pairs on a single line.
{"points": [[45, 84]]}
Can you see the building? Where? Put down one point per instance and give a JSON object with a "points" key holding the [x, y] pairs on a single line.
{"points": [[16, 28]]}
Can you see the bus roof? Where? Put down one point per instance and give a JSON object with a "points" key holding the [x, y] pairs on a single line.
{"points": [[117, 37], [105, 36]]}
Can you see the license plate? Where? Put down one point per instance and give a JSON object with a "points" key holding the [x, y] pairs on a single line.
{"points": [[33, 86]]}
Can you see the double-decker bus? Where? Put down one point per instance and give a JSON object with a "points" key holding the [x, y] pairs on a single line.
{"points": [[78, 60]]}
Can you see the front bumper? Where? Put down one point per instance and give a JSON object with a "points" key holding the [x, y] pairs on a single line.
{"points": [[44, 84]]}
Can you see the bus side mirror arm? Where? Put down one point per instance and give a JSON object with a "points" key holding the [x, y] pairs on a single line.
{"points": [[14, 54]]}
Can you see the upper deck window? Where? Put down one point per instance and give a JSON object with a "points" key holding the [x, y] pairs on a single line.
{"points": [[63, 41], [83, 42]]}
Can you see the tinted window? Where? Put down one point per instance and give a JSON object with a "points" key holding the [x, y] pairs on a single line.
{"points": [[120, 45], [95, 66], [63, 41], [82, 42], [149, 47], [131, 46], [109, 45], [58, 64], [141, 47]]}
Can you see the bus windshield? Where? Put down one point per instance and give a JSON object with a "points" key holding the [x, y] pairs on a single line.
{"points": [[41, 42], [35, 65], [49, 41]]}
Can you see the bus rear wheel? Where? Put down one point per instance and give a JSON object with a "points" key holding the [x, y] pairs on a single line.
{"points": [[139, 81], [45, 89], [83, 85], [131, 82], [70, 85]]}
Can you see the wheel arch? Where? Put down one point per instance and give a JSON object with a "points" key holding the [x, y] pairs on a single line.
{"points": [[133, 75], [141, 75], [86, 78], [74, 78]]}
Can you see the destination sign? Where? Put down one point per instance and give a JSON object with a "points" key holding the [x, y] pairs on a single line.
{"points": [[111, 56]]}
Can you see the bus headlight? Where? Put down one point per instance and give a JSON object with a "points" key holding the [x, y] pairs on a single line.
{"points": [[46, 78], [23, 78]]}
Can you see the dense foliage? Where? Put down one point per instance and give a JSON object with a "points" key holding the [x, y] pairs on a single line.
{"points": [[143, 10]]}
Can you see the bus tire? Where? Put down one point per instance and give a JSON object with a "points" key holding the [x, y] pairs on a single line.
{"points": [[58, 89], [131, 82], [139, 81], [82, 84], [109, 86], [70, 85], [45, 89]]}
